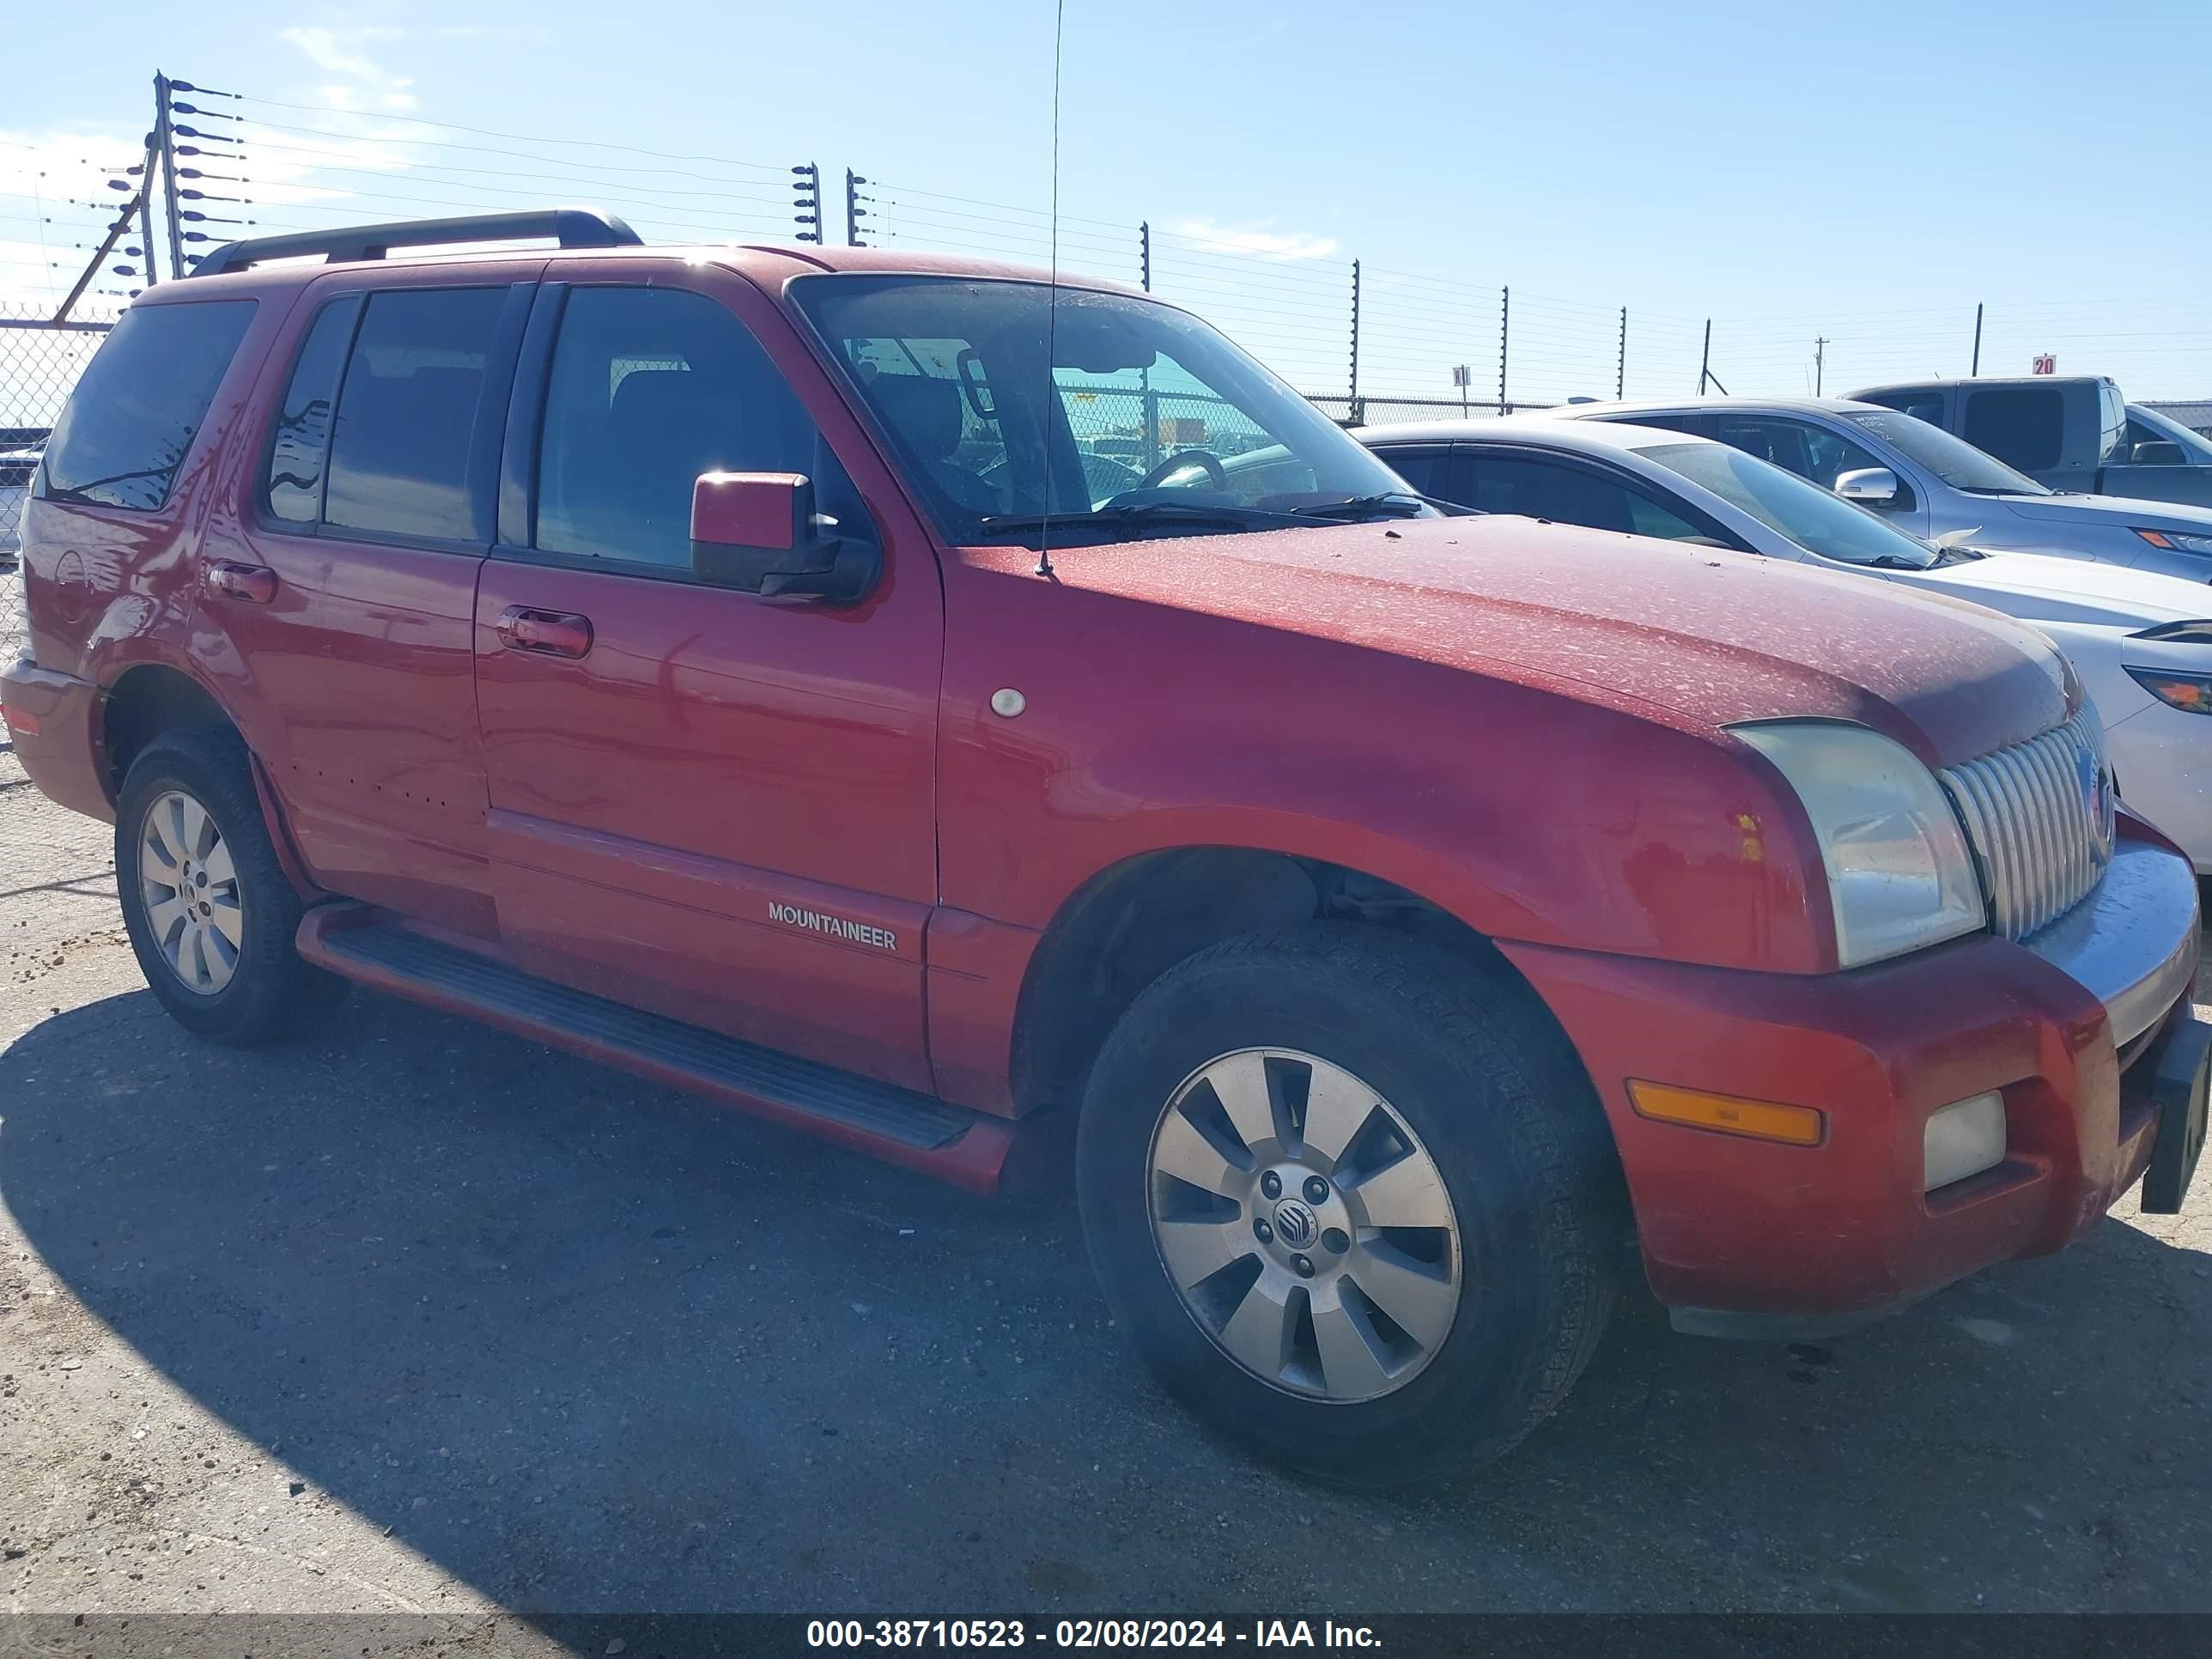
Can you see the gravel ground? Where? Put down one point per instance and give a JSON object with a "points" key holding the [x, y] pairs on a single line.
{"points": [[412, 1317]]}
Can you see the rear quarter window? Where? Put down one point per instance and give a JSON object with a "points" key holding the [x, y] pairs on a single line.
{"points": [[131, 420]]}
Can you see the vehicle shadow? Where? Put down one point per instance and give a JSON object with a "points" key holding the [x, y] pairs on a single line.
{"points": [[589, 1345]]}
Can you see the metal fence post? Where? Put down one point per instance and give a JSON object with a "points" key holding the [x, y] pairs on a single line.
{"points": [[167, 140], [1504, 333], [1359, 413], [1149, 409]]}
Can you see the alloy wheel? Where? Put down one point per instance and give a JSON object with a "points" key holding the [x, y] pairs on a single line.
{"points": [[190, 886], [1304, 1225]]}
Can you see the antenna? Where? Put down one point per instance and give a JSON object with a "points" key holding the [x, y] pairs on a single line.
{"points": [[1052, 290]]}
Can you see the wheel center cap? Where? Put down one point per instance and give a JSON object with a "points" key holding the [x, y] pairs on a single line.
{"points": [[1295, 1224]]}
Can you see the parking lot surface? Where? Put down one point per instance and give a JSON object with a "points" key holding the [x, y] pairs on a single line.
{"points": [[412, 1315]]}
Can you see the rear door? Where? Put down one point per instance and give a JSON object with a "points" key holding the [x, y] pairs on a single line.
{"points": [[703, 802], [345, 592]]}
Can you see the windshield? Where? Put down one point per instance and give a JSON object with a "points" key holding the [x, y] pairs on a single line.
{"points": [[1155, 424], [1809, 516], [1954, 460], [2157, 427]]}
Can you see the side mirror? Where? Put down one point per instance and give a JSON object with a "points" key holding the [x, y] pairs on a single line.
{"points": [[1870, 486], [2162, 451], [757, 533]]}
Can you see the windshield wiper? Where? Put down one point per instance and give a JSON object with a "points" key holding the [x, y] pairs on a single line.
{"points": [[1139, 515], [1391, 504]]}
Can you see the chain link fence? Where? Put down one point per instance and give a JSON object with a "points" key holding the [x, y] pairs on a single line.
{"points": [[1399, 411], [40, 363]]}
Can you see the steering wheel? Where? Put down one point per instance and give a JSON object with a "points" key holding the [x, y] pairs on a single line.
{"points": [[1205, 459]]}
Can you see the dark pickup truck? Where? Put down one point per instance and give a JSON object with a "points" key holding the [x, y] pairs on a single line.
{"points": [[2072, 433]]}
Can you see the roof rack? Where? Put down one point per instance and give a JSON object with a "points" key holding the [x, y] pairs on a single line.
{"points": [[573, 227]]}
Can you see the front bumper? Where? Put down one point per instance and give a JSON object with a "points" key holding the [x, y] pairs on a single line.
{"points": [[1745, 1237], [49, 719]]}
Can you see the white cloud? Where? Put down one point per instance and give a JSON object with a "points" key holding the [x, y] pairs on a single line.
{"points": [[1261, 239], [364, 84]]}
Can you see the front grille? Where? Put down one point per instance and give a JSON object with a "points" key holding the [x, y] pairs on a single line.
{"points": [[2039, 815]]}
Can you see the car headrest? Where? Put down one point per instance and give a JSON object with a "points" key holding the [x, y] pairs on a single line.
{"points": [[669, 404], [925, 413]]}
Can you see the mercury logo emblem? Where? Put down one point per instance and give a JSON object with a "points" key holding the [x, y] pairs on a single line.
{"points": [[1294, 1224], [2097, 800]]}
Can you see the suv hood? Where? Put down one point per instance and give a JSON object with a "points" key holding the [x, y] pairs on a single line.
{"points": [[2125, 511], [2044, 587], [1707, 635]]}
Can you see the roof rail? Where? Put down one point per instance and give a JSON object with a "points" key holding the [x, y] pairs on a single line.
{"points": [[573, 227]]}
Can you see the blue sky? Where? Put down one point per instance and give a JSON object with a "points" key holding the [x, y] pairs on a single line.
{"points": [[1866, 174]]}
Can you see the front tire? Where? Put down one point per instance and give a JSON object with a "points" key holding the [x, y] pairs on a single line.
{"points": [[1352, 1196], [211, 913]]}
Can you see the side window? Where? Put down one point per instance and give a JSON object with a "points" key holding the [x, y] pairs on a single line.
{"points": [[2023, 427], [140, 401], [292, 482], [1543, 489], [2112, 424], [649, 388], [400, 447], [1810, 452], [1921, 405], [1697, 426], [1649, 517], [1425, 466]]}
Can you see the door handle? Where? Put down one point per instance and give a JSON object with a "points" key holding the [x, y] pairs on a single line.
{"points": [[543, 633], [250, 584]]}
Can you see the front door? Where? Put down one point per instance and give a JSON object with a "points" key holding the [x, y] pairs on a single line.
{"points": [[703, 802]]}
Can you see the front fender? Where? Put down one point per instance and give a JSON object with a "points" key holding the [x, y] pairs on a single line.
{"points": [[1584, 821]]}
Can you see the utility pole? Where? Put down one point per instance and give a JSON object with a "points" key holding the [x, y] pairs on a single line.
{"points": [[1620, 363], [1145, 254], [1359, 414], [854, 211], [1820, 363], [1504, 332], [1705, 359], [1977, 368]]}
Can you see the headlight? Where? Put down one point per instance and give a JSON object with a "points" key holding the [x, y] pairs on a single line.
{"points": [[1899, 875], [2178, 541], [2190, 691]]}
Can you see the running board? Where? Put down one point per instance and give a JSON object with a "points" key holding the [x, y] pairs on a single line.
{"points": [[900, 1126]]}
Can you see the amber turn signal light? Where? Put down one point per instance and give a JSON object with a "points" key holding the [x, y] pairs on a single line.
{"points": [[1760, 1119]]}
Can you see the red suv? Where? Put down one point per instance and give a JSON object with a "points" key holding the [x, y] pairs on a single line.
{"points": [[926, 704]]}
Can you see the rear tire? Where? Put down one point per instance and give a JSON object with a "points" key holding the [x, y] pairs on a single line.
{"points": [[1233, 1133], [211, 913]]}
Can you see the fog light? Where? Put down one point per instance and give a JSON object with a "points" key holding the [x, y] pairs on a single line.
{"points": [[1963, 1139]]}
